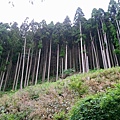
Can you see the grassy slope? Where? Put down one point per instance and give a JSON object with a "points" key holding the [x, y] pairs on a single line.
{"points": [[44, 100]]}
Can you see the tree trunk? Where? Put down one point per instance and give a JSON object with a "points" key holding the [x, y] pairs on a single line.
{"points": [[70, 59], [44, 67], [33, 73], [4, 72], [25, 83], [66, 57], [105, 40], [95, 53], [37, 67], [23, 65], [118, 31], [102, 51], [73, 57], [57, 62], [62, 66], [82, 56], [79, 58], [30, 68], [115, 57], [49, 61], [16, 71], [7, 74]]}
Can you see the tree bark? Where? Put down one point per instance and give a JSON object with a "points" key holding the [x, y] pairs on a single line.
{"points": [[7, 74], [30, 68], [4, 72], [16, 71], [57, 62], [23, 65], [79, 58], [49, 61], [82, 56], [33, 73], [25, 83], [37, 66], [66, 57], [102, 51], [44, 67]]}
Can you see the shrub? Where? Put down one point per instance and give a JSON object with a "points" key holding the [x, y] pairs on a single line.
{"points": [[69, 71], [79, 87], [105, 106]]}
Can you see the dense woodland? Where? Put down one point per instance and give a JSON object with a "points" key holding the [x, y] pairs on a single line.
{"points": [[37, 51]]}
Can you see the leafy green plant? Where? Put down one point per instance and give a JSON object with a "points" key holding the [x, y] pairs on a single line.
{"points": [[79, 87], [60, 116], [105, 106], [69, 71]]}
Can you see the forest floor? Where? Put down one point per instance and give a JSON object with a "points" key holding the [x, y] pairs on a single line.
{"points": [[47, 100]]}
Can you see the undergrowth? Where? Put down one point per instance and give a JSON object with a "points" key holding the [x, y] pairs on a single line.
{"points": [[54, 100]]}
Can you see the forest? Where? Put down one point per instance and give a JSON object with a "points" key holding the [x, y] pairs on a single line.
{"points": [[36, 52]]}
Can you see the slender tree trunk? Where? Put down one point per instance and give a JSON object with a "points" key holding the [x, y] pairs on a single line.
{"points": [[93, 57], [118, 36], [16, 71], [30, 68], [82, 56], [44, 67], [25, 83], [107, 51], [95, 52], [57, 62], [70, 59], [103, 58], [73, 56], [33, 73], [66, 57], [105, 40], [37, 66], [118, 31], [62, 66], [85, 59], [23, 65], [79, 58], [7, 74], [87, 63], [49, 61], [4, 72], [115, 57]]}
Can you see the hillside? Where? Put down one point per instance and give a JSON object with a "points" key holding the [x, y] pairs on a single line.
{"points": [[45, 101]]}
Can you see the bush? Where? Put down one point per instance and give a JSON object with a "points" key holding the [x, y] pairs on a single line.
{"points": [[79, 87], [105, 106]]}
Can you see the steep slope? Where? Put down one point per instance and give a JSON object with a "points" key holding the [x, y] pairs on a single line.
{"points": [[42, 101]]}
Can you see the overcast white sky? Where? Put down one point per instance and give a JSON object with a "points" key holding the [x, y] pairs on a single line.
{"points": [[50, 10]]}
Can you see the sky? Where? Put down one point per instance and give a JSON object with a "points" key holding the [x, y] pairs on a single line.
{"points": [[50, 10]]}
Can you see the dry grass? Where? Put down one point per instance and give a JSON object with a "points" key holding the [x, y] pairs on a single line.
{"points": [[43, 101]]}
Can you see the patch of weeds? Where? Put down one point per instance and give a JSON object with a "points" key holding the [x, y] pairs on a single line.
{"points": [[79, 87], [60, 116]]}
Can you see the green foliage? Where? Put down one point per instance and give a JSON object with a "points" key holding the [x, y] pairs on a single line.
{"points": [[40, 44], [78, 86], [60, 116], [62, 52], [104, 106], [104, 27], [17, 116], [69, 71], [1, 49]]}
